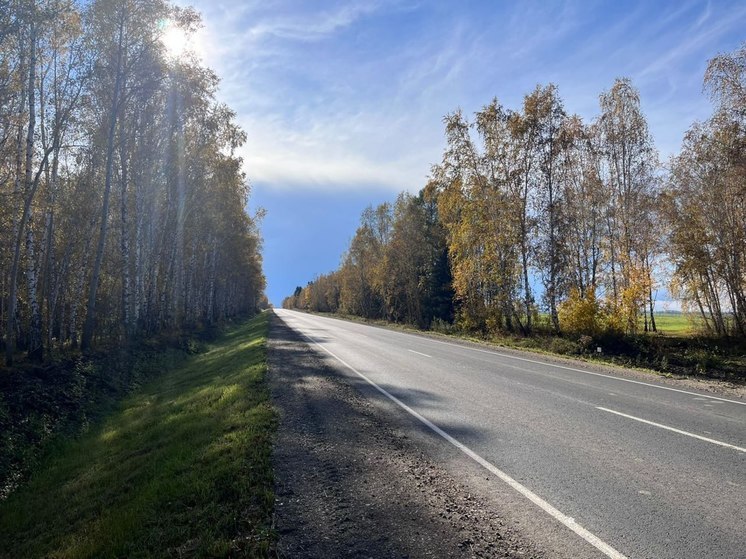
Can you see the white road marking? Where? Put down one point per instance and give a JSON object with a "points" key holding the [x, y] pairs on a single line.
{"points": [[679, 431], [568, 521], [544, 363], [418, 353], [584, 372]]}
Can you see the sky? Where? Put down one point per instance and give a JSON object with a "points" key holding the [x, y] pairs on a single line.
{"points": [[343, 101]]}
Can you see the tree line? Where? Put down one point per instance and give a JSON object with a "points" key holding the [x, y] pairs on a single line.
{"points": [[537, 219], [396, 268], [122, 196]]}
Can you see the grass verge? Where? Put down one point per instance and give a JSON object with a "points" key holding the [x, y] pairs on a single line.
{"points": [[181, 469]]}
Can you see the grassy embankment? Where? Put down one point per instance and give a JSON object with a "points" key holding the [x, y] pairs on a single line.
{"points": [[181, 468]]}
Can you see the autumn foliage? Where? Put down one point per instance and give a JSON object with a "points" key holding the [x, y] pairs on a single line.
{"points": [[122, 199], [549, 223]]}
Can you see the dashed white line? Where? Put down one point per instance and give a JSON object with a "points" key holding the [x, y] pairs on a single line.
{"points": [[545, 364], [679, 431], [555, 513], [418, 353], [556, 366]]}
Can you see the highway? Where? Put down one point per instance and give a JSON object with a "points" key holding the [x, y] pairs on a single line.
{"points": [[624, 465]]}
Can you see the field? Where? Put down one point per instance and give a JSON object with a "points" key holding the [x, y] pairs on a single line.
{"points": [[676, 323], [182, 468]]}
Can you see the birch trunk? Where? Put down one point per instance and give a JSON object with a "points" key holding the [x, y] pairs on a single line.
{"points": [[90, 318], [211, 288], [11, 326], [124, 242], [31, 184]]}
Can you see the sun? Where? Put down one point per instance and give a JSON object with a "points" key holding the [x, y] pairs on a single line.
{"points": [[175, 40]]}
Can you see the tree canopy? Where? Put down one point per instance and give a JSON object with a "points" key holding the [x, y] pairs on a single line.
{"points": [[535, 215], [123, 198]]}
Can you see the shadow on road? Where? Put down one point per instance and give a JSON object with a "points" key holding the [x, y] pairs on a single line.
{"points": [[350, 482]]}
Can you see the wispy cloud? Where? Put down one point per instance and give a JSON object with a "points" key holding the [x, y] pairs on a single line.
{"points": [[313, 26], [702, 32], [350, 95]]}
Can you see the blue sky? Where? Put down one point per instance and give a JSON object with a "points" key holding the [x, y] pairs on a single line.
{"points": [[343, 101]]}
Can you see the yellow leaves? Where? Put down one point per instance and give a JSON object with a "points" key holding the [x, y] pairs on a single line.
{"points": [[581, 313], [623, 314]]}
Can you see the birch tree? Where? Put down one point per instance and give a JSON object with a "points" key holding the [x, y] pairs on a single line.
{"points": [[706, 203], [123, 199], [628, 175]]}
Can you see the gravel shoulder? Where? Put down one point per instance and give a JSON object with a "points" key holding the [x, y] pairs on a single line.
{"points": [[351, 483]]}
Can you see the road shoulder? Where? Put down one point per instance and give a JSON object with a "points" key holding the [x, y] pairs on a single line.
{"points": [[350, 484]]}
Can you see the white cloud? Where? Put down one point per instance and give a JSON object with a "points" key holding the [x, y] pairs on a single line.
{"points": [[346, 152], [368, 110], [313, 26]]}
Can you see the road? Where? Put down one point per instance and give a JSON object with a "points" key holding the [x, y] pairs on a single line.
{"points": [[623, 466]]}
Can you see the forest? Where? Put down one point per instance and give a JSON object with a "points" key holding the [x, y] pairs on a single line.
{"points": [[122, 195], [123, 224], [535, 222]]}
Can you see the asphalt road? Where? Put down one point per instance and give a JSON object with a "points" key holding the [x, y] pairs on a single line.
{"points": [[622, 467]]}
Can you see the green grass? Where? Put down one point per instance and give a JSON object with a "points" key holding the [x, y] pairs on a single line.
{"points": [[181, 469], [679, 324]]}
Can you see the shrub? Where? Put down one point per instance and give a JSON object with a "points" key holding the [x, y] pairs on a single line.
{"points": [[441, 326], [563, 346], [585, 342], [581, 313]]}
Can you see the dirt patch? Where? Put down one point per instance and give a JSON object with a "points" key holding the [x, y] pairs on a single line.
{"points": [[350, 484]]}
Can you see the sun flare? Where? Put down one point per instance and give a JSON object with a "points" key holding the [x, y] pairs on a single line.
{"points": [[176, 40]]}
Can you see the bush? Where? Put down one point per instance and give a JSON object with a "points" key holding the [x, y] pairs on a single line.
{"points": [[441, 326], [581, 314], [563, 346], [585, 342], [705, 361]]}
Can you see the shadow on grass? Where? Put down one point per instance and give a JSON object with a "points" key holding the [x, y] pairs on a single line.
{"points": [[182, 468]]}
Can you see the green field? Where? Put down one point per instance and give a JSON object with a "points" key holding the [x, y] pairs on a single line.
{"points": [[678, 324], [182, 468]]}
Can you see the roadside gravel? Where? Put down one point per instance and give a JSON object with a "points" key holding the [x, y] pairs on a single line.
{"points": [[351, 483]]}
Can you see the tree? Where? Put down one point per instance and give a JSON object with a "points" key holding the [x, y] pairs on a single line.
{"points": [[417, 287], [47, 56], [706, 211], [362, 275], [546, 116], [123, 196], [629, 164], [121, 32], [482, 218], [584, 204]]}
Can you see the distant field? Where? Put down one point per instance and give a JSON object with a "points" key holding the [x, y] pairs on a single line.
{"points": [[667, 322], [677, 323]]}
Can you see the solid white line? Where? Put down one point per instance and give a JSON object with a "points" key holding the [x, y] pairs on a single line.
{"points": [[592, 539], [584, 372], [418, 353], [687, 433]]}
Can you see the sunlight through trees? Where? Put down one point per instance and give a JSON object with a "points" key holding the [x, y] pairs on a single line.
{"points": [[123, 199]]}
